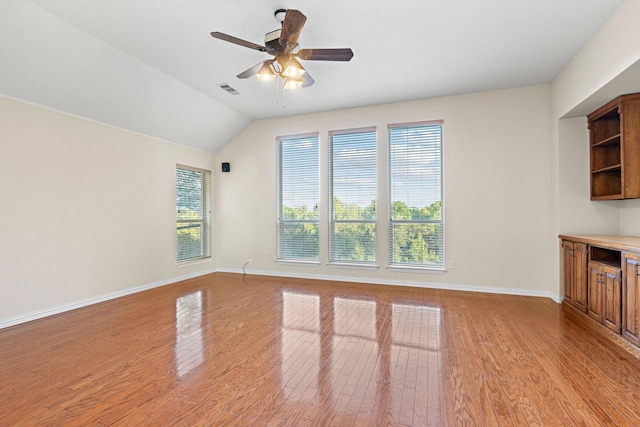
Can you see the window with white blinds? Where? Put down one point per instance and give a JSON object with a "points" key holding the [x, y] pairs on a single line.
{"points": [[416, 228], [193, 213], [298, 197], [352, 196]]}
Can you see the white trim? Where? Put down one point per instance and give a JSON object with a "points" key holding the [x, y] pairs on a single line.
{"points": [[430, 285], [416, 269], [300, 263], [196, 261], [353, 265], [12, 321]]}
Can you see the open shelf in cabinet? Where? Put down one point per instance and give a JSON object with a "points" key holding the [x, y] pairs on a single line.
{"points": [[605, 256], [614, 132], [606, 184]]}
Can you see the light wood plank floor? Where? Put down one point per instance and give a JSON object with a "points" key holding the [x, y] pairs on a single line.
{"points": [[224, 349]]}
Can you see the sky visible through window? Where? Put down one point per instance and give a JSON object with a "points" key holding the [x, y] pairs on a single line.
{"points": [[415, 166], [354, 167], [415, 169], [300, 183]]}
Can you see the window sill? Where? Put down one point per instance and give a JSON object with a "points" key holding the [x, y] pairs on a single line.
{"points": [[298, 263], [183, 264], [353, 266], [422, 270]]}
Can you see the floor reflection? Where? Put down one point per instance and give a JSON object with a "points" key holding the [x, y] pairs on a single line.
{"points": [[415, 363], [337, 351], [354, 349], [189, 340], [354, 317], [300, 346]]}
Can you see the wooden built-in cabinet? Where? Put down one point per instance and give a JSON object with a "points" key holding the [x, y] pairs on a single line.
{"points": [[594, 284], [575, 270], [611, 295], [605, 287], [631, 297], [605, 270], [614, 133]]}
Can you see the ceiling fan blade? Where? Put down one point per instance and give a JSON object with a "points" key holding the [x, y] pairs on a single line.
{"points": [[235, 40], [325, 54], [251, 71], [307, 80], [293, 22]]}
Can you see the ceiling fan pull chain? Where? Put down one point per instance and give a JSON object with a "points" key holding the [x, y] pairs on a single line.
{"points": [[283, 92]]}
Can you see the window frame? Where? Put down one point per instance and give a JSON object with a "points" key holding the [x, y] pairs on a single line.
{"points": [[204, 219], [281, 222], [394, 264], [333, 260]]}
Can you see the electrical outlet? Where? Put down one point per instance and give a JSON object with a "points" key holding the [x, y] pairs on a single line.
{"points": [[248, 260], [170, 260], [452, 265], [354, 273]]}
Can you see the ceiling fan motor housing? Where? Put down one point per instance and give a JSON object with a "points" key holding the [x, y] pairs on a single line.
{"points": [[272, 40], [279, 15]]}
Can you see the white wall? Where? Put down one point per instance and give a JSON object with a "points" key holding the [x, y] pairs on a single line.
{"points": [[614, 48], [596, 75], [44, 59], [577, 213], [497, 190], [86, 210], [603, 69]]}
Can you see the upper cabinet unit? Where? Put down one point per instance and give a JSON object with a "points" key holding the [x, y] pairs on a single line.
{"points": [[614, 132]]}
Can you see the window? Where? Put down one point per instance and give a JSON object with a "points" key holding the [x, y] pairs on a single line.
{"points": [[416, 228], [193, 213], [352, 196], [298, 196]]}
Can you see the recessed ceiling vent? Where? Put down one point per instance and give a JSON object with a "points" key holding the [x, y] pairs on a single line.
{"points": [[229, 89]]}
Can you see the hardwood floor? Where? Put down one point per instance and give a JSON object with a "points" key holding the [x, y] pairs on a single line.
{"points": [[224, 349]]}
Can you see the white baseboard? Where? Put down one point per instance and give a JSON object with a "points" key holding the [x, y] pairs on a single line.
{"points": [[427, 285], [12, 321]]}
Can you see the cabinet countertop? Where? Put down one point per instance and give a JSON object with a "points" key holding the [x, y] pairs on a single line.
{"points": [[623, 243]]}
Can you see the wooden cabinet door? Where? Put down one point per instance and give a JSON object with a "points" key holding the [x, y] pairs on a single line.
{"points": [[611, 293], [567, 248], [631, 298], [594, 305], [580, 276]]}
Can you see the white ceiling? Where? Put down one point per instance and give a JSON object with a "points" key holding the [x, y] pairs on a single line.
{"points": [[151, 66]]}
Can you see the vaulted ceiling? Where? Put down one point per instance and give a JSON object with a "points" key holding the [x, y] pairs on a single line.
{"points": [[151, 66]]}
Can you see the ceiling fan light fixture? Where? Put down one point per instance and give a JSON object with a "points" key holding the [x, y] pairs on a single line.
{"points": [[293, 69], [290, 83], [282, 45], [266, 74]]}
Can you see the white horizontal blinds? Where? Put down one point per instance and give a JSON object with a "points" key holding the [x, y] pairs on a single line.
{"points": [[193, 213], [298, 196], [415, 194], [352, 195]]}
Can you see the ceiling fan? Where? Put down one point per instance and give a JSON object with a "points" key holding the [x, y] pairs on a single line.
{"points": [[283, 45]]}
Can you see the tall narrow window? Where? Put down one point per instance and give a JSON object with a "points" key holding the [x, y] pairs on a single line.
{"points": [[193, 213], [298, 197], [415, 195], [352, 196]]}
